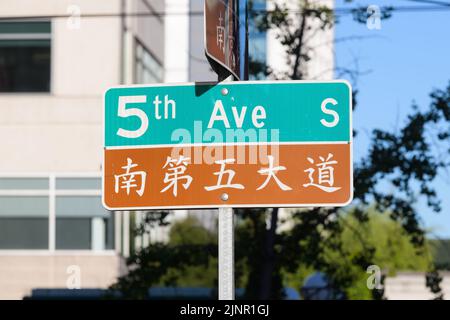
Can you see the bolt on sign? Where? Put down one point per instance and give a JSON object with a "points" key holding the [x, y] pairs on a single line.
{"points": [[226, 36], [239, 144]]}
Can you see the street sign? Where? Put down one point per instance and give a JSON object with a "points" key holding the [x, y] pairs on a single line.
{"points": [[226, 38], [239, 144]]}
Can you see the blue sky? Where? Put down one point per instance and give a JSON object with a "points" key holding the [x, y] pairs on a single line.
{"points": [[402, 62]]}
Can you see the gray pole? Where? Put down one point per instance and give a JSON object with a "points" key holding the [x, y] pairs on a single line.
{"points": [[226, 254], [226, 246]]}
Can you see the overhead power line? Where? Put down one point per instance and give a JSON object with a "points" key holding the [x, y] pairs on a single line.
{"points": [[398, 9], [440, 3], [338, 11]]}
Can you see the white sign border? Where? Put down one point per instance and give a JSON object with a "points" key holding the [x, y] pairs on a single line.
{"points": [[234, 83]]}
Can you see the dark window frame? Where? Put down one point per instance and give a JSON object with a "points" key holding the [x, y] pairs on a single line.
{"points": [[26, 189], [137, 43], [25, 30]]}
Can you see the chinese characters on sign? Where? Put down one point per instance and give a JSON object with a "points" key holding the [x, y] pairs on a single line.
{"points": [[179, 182], [127, 181], [221, 33], [176, 168], [225, 25], [326, 176], [325, 173]]}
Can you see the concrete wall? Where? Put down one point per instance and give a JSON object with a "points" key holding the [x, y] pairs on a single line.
{"points": [[19, 273], [43, 133], [176, 41], [151, 29], [411, 286], [321, 65], [61, 130]]}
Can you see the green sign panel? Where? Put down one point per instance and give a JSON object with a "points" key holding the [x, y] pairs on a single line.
{"points": [[251, 112]]}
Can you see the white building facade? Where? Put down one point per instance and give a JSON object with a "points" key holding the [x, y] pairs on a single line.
{"points": [[53, 73]]}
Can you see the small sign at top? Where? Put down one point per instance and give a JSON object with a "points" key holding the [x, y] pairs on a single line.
{"points": [[226, 37]]}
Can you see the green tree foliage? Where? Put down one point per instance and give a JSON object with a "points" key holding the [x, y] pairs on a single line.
{"points": [[191, 250], [391, 245], [404, 159], [190, 232]]}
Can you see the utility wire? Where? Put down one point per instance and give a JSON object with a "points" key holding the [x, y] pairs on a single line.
{"points": [[440, 3], [338, 11], [397, 9]]}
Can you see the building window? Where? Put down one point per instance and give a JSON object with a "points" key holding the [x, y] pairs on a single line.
{"points": [[257, 43], [48, 212], [82, 223], [25, 56], [147, 68], [24, 222]]}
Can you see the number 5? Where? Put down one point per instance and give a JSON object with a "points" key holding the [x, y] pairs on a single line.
{"points": [[123, 112]]}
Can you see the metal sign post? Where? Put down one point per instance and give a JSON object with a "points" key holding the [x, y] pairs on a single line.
{"points": [[226, 247], [226, 254], [226, 38]]}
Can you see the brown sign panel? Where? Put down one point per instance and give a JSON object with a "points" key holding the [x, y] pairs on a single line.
{"points": [[286, 175], [224, 27]]}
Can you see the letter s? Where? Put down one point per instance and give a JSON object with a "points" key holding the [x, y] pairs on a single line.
{"points": [[333, 113]]}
